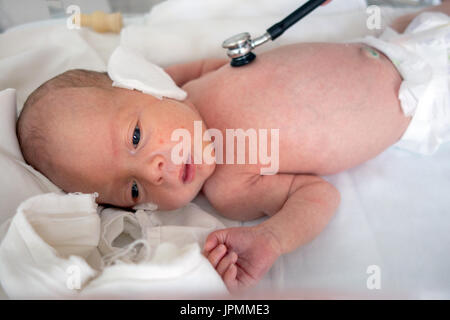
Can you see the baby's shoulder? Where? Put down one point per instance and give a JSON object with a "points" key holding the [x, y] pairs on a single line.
{"points": [[226, 190]]}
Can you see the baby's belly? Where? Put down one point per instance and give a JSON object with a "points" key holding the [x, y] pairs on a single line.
{"points": [[334, 105]]}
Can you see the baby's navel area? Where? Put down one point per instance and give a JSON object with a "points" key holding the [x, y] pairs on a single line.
{"points": [[370, 52]]}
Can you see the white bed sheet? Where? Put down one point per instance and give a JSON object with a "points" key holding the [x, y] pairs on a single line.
{"points": [[394, 214], [395, 208]]}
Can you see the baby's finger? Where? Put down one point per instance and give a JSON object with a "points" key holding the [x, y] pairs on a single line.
{"points": [[210, 243], [229, 277], [225, 263], [217, 254]]}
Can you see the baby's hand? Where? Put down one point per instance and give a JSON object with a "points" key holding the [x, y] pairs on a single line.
{"points": [[241, 255]]}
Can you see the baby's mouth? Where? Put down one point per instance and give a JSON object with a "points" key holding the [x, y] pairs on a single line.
{"points": [[187, 172]]}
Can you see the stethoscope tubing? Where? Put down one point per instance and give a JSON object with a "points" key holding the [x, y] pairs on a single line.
{"points": [[280, 27]]}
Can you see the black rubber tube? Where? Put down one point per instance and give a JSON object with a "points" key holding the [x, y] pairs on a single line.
{"points": [[278, 28]]}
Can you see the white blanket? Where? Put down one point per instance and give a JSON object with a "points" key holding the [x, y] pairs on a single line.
{"points": [[394, 211], [58, 247]]}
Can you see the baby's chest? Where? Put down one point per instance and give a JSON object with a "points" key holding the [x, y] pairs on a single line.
{"points": [[305, 117], [254, 100], [258, 132]]}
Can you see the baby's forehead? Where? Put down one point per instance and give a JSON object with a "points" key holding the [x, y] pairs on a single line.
{"points": [[72, 110], [82, 117], [94, 102], [85, 100], [84, 94]]}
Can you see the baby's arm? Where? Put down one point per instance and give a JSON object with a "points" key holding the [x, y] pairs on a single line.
{"points": [[402, 22], [185, 72], [300, 206], [311, 202]]}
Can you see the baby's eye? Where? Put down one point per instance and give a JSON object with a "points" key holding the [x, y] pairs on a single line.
{"points": [[136, 136], [134, 191]]}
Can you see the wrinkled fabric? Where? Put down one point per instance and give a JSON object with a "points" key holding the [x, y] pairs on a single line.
{"points": [[65, 246]]}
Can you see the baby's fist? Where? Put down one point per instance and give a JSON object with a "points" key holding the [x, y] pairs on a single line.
{"points": [[240, 255]]}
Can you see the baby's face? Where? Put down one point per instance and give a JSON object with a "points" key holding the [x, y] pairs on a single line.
{"points": [[120, 147]]}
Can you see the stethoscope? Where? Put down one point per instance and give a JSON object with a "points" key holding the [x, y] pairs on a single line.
{"points": [[241, 45]]}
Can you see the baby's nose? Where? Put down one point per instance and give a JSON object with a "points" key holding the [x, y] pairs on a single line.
{"points": [[156, 170]]}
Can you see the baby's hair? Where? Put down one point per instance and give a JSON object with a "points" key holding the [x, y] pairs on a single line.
{"points": [[34, 117]]}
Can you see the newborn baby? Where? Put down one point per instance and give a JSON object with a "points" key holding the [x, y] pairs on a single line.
{"points": [[335, 105]]}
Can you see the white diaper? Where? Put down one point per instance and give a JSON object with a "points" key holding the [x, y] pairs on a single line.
{"points": [[421, 55]]}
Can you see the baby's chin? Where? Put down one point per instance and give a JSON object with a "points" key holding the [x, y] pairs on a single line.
{"points": [[180, 198]]}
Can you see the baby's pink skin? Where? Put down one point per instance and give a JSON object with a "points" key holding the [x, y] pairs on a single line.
{"points": [[336, 106]]}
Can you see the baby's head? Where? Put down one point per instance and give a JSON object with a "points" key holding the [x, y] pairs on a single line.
{"points": [[87, 136]]}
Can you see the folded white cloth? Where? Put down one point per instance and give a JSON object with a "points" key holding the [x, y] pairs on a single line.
{"points": [[421, 57], [130, 70], [49, 235], [65, 246]]}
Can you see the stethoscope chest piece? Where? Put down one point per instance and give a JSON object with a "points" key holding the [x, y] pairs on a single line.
{"points": [[245, 59], [239, 48]]}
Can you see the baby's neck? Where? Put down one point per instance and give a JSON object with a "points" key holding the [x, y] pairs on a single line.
{"points": [[194, 108]]}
